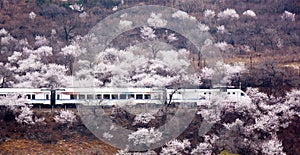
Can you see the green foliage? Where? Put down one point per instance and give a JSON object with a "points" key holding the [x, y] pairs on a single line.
{"points": [[65, 4], [82, 2], [40, 2], [226, 152], [107, 3]]}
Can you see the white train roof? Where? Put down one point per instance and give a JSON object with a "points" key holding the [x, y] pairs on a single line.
{"points": [[20, 90], [108, 90]]}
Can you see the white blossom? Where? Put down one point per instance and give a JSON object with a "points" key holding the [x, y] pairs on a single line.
{"points": [[147, 33], [208, 42], [39, 72], [232, 71], [23, 42], [221, 29], [293, 98], [15, 56], [209, 14], [212, 139], [115, 8], [65, 116], [249, 13], [32, 15], [77, 7], [107, 135], [25, 116], [203, 27], [127, 152], [53, 32], [125, 24], [202, 149], [182, 15], [72, 50], [273, 146], [83, 15], [3, 32], [269, 114], [41, 40], [267, 122], [39, 120], [256, 96], [236, 123], [279, 43], [292, 104], [222, 45], [143, 118], [227, 72], [286, 15], [210, 115], [156, 20], [124, 15], [39, 53], [13, 101], [207, 73], [172, 37], [228, 14], [175, 147], [31, 63], [145, 136], [247, 48], [7, 39], [168, 57], [54, 73]]}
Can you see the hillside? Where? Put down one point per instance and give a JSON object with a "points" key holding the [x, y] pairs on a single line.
{"points": [[267, 37], [42, 45]]}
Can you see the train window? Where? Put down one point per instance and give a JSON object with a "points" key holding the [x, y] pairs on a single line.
{"points": [[242, 94], [28, 96], [130, 95], [228, 93], [98, 96], [233, 93], [2, 95], [114, 96], [89, 96], [122, 96], [139, 96], [147, 96], [204, 93], [33, 96], [209, 93], [81, 96], [106, 96], [47, 96], [58, 97], [73, 97]]}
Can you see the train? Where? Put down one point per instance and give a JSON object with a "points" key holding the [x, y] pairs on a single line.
{"points": [[112, 96]]}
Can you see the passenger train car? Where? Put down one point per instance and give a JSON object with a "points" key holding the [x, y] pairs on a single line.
{"points": [[112, 96]]}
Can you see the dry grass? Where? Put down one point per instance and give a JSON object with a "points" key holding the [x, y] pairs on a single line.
{"points": [[282, 60], [74, 147]]}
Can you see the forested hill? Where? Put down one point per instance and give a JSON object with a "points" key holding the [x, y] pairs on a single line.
{"points": [[264, 34]]}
